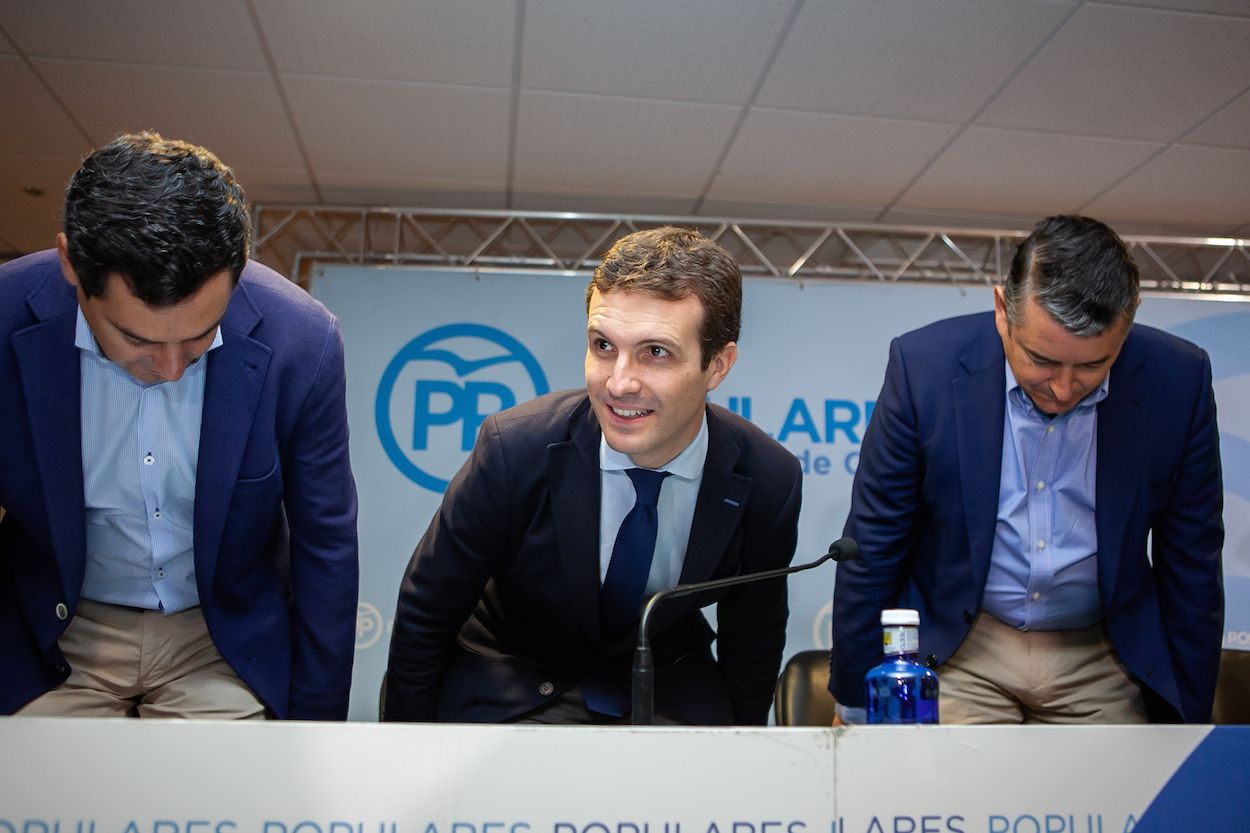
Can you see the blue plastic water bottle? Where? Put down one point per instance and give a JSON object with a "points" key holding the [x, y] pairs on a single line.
{"points": [[901, 690]]}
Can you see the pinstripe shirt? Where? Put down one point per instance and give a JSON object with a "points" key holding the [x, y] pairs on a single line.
{"points": [[140, 448]]}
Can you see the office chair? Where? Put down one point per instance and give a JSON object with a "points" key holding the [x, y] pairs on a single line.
{"points": [[802, 697]]}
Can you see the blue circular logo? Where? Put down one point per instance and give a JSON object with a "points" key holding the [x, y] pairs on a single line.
{"points": [[439, 388]]}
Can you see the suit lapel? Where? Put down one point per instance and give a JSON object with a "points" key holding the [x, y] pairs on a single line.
{"points": [[1120, 460], [233, 381], [718, 510], [573, 469], [48, 363], [980, 405]]}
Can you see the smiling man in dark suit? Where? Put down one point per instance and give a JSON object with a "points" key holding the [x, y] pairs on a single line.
{"points": [[179, 533], [521, 600], [1043, 483]]}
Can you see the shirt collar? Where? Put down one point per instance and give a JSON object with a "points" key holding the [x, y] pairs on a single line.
{"points": [[1020, 398], [688, 465], [84, 339]]}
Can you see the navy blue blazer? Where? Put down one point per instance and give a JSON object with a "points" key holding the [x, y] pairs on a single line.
{"points": [[275, 503], [925, 502], [499, 609]]}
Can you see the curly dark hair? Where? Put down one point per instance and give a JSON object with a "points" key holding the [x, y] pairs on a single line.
{"points": [[164, 214]]}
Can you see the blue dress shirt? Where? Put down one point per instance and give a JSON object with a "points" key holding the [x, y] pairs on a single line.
{"points": [[140, 448], [1044, 565]]}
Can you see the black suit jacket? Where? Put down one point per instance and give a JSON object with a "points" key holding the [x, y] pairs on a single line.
{"points": [[499, 610]]}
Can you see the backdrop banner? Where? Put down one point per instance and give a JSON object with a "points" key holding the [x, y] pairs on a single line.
{"points": [[431, 353]]}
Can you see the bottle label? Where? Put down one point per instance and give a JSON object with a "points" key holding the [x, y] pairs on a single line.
{"points": [[900, 640]]}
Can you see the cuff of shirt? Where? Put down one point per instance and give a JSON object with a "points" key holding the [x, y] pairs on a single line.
{"points": [[852, 714]]}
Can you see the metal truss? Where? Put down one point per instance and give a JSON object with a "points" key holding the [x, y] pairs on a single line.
{"points": [[294, 238]]}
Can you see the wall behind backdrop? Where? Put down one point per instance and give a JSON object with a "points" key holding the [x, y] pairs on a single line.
{"points": [[431, 353]]}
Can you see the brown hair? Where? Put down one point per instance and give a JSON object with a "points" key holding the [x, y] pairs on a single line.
{"points": [[675, 263]]}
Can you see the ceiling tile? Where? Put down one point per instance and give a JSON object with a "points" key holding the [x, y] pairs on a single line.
{"points": [[427, 132], [747, 210], [699, 50], [1202, 188], [41, 128], [466, 42], [925, 59], [945, 218], [1002, 171], [590, 144], [237, 115], [1229, 127], [264, 185], [612, 203], [817, 159], [1233, 7], [340, 189], [30, 223], [171, 32], [1129, 73]]}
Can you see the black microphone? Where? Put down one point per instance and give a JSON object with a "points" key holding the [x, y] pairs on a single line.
{"points": [[642, 690]]}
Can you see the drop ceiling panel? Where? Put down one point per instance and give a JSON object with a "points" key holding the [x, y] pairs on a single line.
{"points": [[264, 185], [30, 223], [1202, 188], [41, 128], [339, 189], [428, 132], [817, 159], [1003, 171], [1234, 7], [1129, 73], [828, 213], [608, 203], [237, 115], [467, 41], [930, 59], [1229, 127], [171, 32], [592, 144], [709, 50]]}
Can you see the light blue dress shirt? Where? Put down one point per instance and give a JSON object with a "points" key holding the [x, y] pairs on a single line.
{"points": [[675, 509], [140, 448], [1044, 565]]}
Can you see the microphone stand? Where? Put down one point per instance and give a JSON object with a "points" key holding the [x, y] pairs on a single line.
{"points": [[642, 690]]}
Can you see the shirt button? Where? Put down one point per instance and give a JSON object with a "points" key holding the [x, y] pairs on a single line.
{"points": [[1041, 545], [545, 689], [1036, 596], [1041, 484], [160, 573], [148, 459], [156, 514], [1050, 429], [62, 612]]}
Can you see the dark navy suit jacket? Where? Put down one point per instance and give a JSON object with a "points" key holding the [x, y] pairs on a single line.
{"points": [[499, 610], [275, 503], [925, 502]]}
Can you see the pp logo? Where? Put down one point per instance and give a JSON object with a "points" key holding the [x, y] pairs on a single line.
{"points": [[368, 626], [437, 391]]}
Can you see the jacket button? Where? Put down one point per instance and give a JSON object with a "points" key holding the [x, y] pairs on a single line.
{"points": [[62, 612], [545, 689], [931, 660], [967, 617]]}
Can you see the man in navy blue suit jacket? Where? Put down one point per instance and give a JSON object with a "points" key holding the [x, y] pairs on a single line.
{"points": [[1043, 484], [178, 523], [508, 610]]}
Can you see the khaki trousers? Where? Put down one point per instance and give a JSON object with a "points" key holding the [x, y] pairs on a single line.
{"points": [[127, 662], [1004, 675]]}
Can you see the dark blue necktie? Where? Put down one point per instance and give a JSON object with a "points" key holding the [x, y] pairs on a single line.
{"points": [[626, 580]]}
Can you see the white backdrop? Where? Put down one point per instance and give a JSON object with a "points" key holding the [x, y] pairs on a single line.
{"points": [[431, 352]]}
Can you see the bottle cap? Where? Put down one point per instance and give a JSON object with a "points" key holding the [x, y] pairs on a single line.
{"points": [[900, 616]]}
